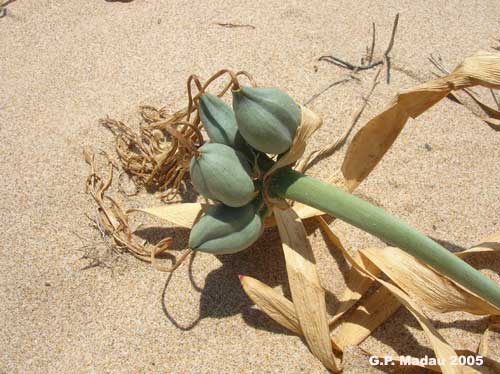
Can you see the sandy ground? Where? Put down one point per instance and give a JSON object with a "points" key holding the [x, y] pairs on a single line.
{"points": [[65, 64]]}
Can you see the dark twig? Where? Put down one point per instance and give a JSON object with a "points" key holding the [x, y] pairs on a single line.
{"points": [[370, 64], [3, 7], [438, 64], [372, 47], [316, 156], [393, 35], [347, 65], [315, 96], [495, 98], [234, 25], [387, 58]]}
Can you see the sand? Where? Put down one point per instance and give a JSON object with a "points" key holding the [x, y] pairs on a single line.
{"points": [[65, 64]]}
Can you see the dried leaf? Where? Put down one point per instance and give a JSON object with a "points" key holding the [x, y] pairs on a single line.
{"points": [[282, 311], [356, 285], [489, 245], [307, 293], [310, 122], [370, 314], [186, 214], [180, 214], [442, 349], [376, 137], [425, 285], [275, 305]]}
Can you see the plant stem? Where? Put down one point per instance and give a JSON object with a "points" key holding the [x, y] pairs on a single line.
{"points": [[289, 184]]}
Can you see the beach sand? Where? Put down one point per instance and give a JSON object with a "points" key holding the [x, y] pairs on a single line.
{"points": [[65, 64]]}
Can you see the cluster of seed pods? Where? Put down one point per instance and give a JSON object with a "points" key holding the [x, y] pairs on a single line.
{"points": [[261, 121]]}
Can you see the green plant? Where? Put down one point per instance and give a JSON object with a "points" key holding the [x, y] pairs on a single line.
{"points": [[221, 173], [289, 184], [267, 118], [223, 229], [219, 121], [420, 271]]}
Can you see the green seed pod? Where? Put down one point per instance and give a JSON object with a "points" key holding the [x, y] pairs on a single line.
{"points": [[267, 118], [222, 173], [219, 121], [224, 230]]}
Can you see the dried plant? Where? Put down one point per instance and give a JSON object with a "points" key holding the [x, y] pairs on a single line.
{"points": [[415, 281], [157, 155]]}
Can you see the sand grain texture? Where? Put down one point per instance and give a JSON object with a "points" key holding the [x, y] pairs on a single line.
{"points": [[65, 64]]}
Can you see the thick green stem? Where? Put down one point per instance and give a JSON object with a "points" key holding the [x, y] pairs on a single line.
{"points": [[292, 185]]}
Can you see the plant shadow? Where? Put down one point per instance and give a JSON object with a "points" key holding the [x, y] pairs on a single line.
{"points": [[223, 296]]}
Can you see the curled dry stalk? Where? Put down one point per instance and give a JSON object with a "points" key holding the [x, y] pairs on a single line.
{"points": [[112, 219], [157, 155], [470, 100]]}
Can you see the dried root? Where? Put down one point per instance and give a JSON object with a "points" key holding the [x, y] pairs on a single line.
{"points": [[112, 220], [157, 155]]}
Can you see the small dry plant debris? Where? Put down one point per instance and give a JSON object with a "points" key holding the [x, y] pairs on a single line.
{"points": [[99, 250], [231, 25], [111, 219], [3, 7], [400, 279], [366, 63], [367, 60], [497, 44], [157, 155]]}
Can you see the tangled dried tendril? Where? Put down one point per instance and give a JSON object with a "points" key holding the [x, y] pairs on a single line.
{"points": [[157, 155], [112, 218]]}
